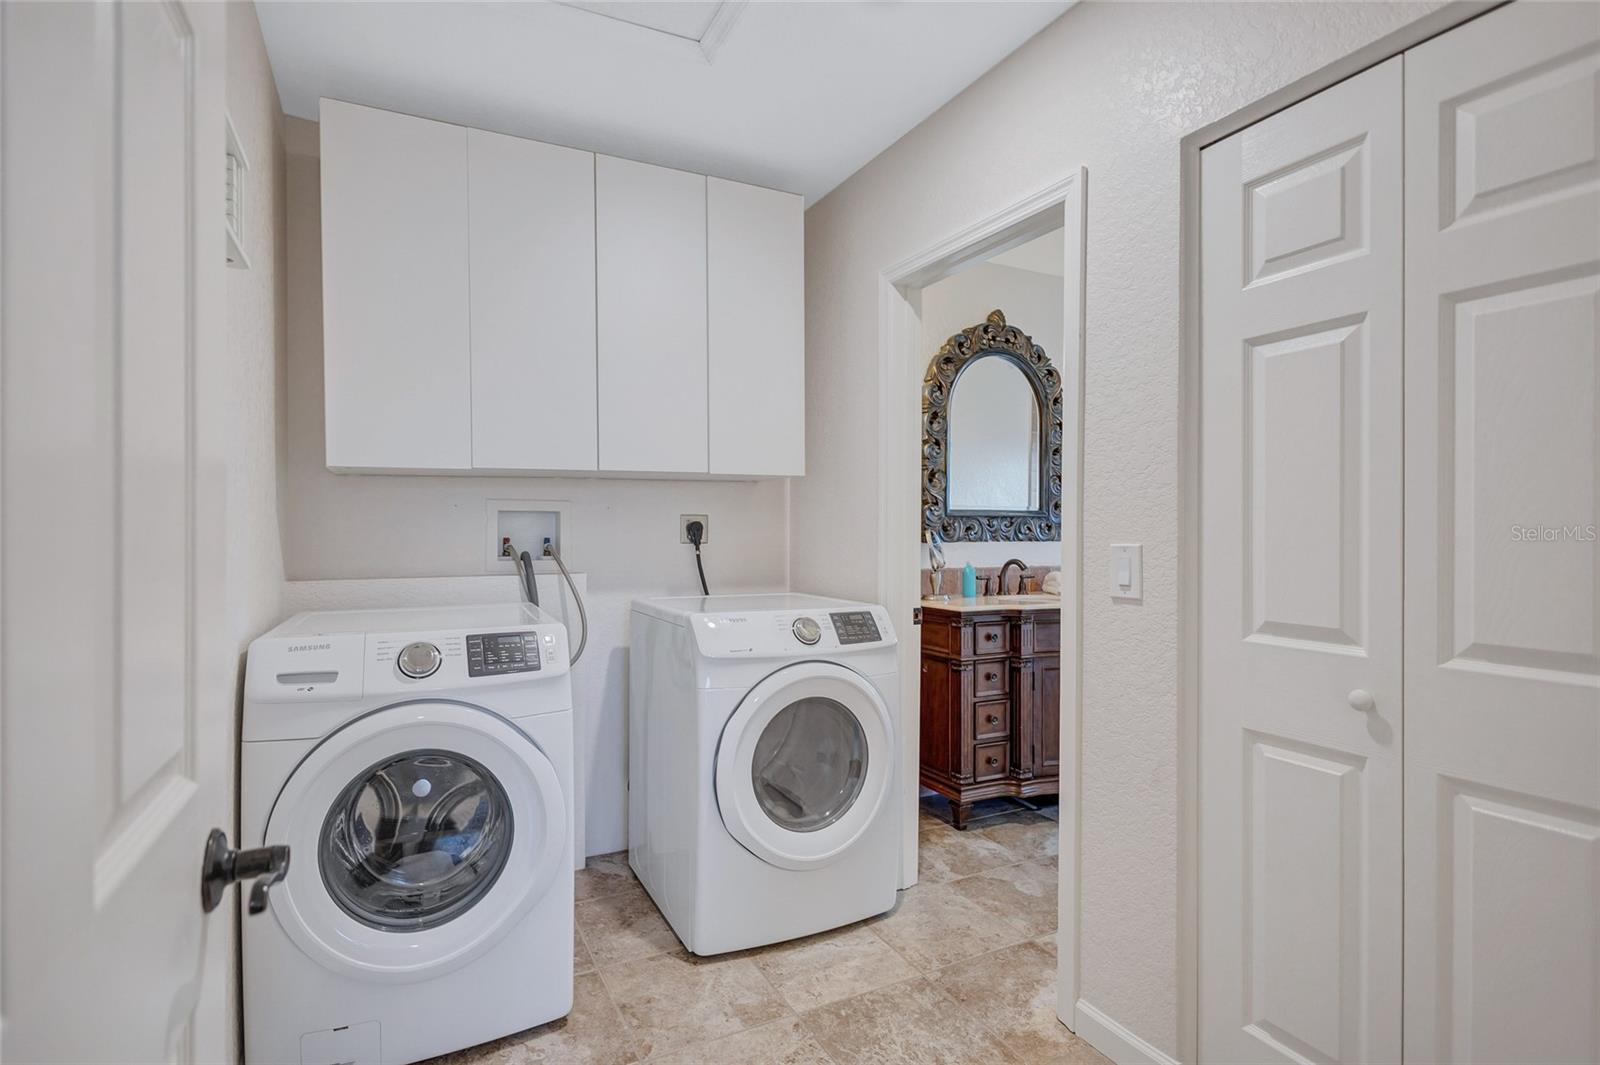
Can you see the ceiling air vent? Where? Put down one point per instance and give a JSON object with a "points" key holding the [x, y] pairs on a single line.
{"points": [[238, 165]]}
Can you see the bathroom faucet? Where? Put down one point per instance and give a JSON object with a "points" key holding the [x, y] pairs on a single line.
{"points": [[1022, 572]]}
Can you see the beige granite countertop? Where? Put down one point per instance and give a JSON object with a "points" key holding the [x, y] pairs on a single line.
{"points": [[988, 604]]}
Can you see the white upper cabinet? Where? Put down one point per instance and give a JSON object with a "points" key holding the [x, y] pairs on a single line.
{"points": [[394, 291], [650, 228], [500, 305], [533, 304], [756, 297]]}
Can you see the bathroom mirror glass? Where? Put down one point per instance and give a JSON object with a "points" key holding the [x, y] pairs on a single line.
{"points": [[993, 460], [991, 437]]}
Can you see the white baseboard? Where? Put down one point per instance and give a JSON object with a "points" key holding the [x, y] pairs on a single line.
{"points": [[1115, 1041]]}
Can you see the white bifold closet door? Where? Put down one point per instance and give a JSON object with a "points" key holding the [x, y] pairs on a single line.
{"points": [[1502, 461], [1300, 682]]}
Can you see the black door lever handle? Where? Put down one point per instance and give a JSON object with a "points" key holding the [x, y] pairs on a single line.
{"points": [[222, 866]]}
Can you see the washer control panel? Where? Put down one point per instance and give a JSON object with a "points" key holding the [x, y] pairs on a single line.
{"points": [[855, 626], [491, 653]]}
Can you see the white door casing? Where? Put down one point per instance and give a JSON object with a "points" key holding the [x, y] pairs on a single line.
{"points": [[1300, 556], [1502, 496], [116, 670]]}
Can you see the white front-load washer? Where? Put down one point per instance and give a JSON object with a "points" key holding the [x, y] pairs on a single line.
{"points": [[763, 765], [418, 763]]}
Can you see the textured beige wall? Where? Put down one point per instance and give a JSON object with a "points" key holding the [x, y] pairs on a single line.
{"points": [[1113, 87]]}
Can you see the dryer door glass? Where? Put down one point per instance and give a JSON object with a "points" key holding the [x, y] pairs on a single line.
{"points": [[415, 840], [809, 764]]}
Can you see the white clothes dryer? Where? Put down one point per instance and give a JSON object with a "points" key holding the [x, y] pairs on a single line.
{"points": [[763, 759], [418, 764]]}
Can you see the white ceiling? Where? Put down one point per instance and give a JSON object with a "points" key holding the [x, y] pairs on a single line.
{"points": [[790, 95]]}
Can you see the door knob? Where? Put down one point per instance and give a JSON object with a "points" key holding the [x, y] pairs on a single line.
{"points": [[222, 866], [1362, 700]]}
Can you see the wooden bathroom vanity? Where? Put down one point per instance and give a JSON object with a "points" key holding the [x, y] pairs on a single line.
{"points": [[991, 698]]}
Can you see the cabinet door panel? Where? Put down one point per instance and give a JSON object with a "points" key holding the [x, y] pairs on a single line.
{"points": [[756, 300], [650, 228], [533, 303], [396, 365], [1047, 716]]}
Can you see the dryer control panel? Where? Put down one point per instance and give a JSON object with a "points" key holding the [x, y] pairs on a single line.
{"points": [[791, 633]]}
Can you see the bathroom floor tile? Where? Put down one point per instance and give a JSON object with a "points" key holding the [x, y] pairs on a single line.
{"points": [[782, 1042], [1024, 894], [935, 925], [675, 1000], [912, 1023], [604, 874], [945, 854], [1013, 991], [825, 968], [1024, 833], [624, 927]]}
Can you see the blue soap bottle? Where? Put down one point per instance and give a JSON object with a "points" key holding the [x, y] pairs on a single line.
{"points": [[969, 582]]}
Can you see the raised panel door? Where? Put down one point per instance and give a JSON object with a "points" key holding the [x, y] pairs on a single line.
{"points": [[1300, 723], [1502, 461]]}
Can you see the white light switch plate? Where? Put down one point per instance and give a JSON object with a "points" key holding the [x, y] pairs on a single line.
{"points": [[1127, 572]]}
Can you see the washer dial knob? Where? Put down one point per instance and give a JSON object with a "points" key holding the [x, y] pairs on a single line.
{"points": [[420, 659], [806, 630]]}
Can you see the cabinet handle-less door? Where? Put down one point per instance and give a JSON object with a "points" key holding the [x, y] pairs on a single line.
{"points": [[396, 365], [533, 298], [650, 261], [756, 306]]}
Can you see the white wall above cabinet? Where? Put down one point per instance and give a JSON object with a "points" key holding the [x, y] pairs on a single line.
{"points": [[500, 305]]}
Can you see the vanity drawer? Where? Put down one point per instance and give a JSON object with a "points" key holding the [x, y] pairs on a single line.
{"points": [[991, 638], [991, 678], [991, 720], [989, 760]]}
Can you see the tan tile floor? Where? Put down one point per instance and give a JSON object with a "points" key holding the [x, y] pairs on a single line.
{"points": [[961, 972]]}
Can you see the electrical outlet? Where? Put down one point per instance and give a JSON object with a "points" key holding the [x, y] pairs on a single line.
{"points": [[683, 527]]}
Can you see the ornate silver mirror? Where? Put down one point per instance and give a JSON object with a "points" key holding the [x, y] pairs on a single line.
{"points": [[991, 449]]}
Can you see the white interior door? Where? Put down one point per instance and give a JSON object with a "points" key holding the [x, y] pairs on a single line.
{"points": [[1300, 681], [1502, 566], [116, 683]]}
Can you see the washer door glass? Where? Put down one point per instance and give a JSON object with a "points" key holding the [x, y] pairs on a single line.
{"points": [[415, 840], [809, 764]]}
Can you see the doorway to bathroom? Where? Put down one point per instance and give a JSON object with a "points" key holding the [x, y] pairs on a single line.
{"points": [[980, 459]]}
